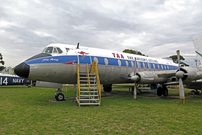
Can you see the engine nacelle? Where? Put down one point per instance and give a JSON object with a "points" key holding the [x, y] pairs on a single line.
{"points": [[148, 78], [190, 73]]}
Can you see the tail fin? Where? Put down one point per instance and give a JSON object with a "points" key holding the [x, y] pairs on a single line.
{"points": [[198, 48], [7, 70]]}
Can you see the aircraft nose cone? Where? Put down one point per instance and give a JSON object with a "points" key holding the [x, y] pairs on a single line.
{"points": [[22, 70]]}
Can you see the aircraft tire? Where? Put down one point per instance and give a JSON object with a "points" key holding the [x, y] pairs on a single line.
{"points": [[59, 97], [107, 89], [159, 91], [165, 92]]}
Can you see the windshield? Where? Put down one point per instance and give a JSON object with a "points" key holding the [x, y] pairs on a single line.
{"points": [[52, 50]]}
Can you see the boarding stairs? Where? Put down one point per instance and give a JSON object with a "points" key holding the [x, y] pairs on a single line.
{"points": [[88, 86]]}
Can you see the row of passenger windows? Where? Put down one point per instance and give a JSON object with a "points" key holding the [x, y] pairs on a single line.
{"points": [[138, 64]]}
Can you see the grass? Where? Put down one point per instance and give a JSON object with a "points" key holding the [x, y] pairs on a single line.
{"points": [[29, 111]]}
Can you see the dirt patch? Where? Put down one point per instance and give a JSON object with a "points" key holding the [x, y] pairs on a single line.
{"points": [[121, 93]]}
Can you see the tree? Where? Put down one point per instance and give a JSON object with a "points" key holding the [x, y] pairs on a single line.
{"points": [[1, 62], [174, 58], [133, 52]]}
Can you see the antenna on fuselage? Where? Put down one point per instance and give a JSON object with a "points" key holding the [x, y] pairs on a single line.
{"points": [[77, 46]]}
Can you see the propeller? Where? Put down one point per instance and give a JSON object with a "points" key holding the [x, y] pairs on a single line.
{"points": [[180, 75], [135, 82]]}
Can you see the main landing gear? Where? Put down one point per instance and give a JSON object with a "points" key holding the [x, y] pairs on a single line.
{"points": [[59, 96], [162, 91], [195, 92], [107, 87]]}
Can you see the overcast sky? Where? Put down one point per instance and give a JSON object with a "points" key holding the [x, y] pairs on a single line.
{"points": [[157, 28]]}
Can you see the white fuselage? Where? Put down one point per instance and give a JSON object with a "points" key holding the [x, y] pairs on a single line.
{"points": [[114, 67]]}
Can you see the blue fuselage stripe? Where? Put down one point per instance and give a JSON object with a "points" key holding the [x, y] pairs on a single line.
{"points": [[101, 61]]}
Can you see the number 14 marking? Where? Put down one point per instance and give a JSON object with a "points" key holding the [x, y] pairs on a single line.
{"points": [[5, 81]]}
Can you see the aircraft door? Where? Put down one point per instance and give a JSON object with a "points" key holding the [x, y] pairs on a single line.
{"points": [[83, 61]]}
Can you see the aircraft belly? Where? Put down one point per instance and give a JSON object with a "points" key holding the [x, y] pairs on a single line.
{"points": [[59, 73], [67, 73], [113, 75]]}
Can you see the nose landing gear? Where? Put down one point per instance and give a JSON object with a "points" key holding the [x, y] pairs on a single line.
{"points": [[59, 96]]}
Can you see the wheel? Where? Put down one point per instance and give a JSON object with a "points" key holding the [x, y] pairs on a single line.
{"points": [[165, 92], [159, 91], [59, 97], [107, 88], [196, 92]]}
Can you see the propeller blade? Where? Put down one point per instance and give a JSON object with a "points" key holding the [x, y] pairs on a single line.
{"points": [[135, 91], [136, 79], [180, 75], [181, 89]]}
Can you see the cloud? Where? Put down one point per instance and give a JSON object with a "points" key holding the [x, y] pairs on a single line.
{"points": [[156, 28]]}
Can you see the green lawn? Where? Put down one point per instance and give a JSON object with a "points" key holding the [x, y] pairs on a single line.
{"points": [[29, 111]]}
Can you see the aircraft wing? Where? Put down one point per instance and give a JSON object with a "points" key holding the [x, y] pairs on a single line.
{"points": [[167, 74], [148, 77]]}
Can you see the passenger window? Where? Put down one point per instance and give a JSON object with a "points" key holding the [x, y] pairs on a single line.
{"points": [[154, 66], [119, 62], [127, 63], [149, 64], [106, 61], [59, 50], [158, 66], [96, 59], [132, 63], [168, 67], [138, 64], [144, 65], [49, 50]]}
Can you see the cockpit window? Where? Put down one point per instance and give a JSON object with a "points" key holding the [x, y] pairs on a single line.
{"points": [[54, 50], [49, 50], [44, 50], [59, 50]]}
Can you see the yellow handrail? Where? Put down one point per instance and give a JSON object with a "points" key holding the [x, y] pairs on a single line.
{"points": [[78, 83], [95, 70]]}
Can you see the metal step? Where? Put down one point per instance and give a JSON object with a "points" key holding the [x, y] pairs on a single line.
{"points": [[88, 87], [87, 84], [91, 78], [86, 81], [88, 95], [89, 103], [88, 91], [89, 99], [84, 73]]}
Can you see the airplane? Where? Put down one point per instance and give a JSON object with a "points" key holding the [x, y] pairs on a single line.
{"points": [[58, 63], [197, 84], [7, 79], [198, 48], [189, 77]]}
